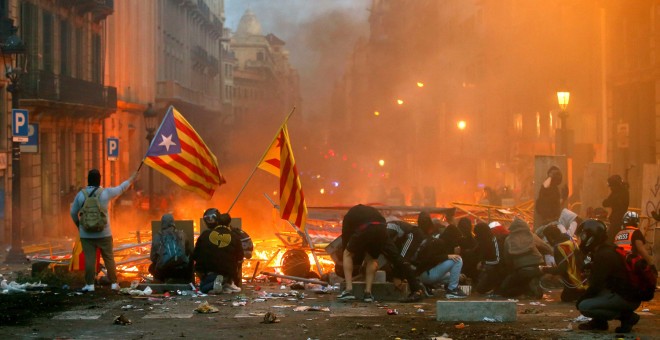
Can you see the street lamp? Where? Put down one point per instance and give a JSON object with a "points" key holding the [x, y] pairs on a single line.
{"points": [[150, 123], [562, 99], [461, 126], [12, 49]]}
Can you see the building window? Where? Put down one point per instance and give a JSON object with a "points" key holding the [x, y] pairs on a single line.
{"points": [[48, 48], [65, 46], [79, 54]]}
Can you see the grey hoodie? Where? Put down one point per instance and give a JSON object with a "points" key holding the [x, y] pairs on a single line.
{"points": [[520, 246]]}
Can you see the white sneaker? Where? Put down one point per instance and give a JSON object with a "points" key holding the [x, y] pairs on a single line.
{"points": [[115, 286], [232, 287], [217, 284], [88, 288]]}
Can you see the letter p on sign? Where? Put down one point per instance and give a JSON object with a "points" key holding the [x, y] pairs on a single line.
{"points": [[20, 130]]}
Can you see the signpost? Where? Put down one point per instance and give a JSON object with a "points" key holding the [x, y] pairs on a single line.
{"points": [[20, 129], [113, 148], [32, 143]]}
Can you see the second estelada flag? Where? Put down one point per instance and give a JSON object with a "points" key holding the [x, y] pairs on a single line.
{"points": [[179, 153], [279, 161]]}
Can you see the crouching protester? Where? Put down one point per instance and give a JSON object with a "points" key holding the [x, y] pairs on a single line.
{"points": [[217, 254], [436, 263], [170, 253], [570, 263], [489, 254], [522, 256], [610, 294], [365, 238]]}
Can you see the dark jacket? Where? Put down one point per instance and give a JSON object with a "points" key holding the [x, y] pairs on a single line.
{"points": [[608, 272], [618, 200], [406, 237], [356, 217], [217, 250], [548, 204]]}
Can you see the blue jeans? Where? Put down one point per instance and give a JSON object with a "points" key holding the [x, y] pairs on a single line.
{"points": [[437, 274]]}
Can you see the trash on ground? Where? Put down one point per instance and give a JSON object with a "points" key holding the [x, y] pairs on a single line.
{"points": [[122, 320], [392, 312], [270, 318], [459, 325], [206, 308], [311, 309]]}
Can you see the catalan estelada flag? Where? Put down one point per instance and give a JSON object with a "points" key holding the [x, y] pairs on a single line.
{"points": [[279, 161], [179, 153]]}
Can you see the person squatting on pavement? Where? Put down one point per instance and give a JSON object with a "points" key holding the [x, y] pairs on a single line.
{"points": [[489, 251], [569, 263], [610, 294], [217, 253], [170, 253], [523, 254], [97, 239], [364, 238]]}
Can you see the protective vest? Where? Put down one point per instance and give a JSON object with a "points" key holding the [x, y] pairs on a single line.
{"points": [[573, 274], [623, 238]]}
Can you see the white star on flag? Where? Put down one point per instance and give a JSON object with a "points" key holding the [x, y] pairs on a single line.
{"points": [[167, 142]]}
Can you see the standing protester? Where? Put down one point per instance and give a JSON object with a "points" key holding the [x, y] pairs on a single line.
{"points": [[618, 201], [217, 253], [569, 263], [610, 294], [170, 253], [522, 258], [364, 238], [547, 207], [489, 254], [631, 239], [89, 212]]}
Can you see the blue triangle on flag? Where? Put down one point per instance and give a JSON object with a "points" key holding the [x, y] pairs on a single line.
{"points": [[166, 140]]}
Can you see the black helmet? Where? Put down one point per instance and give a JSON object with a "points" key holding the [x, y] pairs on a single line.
{"points": [[224, 219], [592, 234], [631, 218], [211, 217]]}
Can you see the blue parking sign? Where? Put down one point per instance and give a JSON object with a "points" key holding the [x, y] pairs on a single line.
{"points": [[113, 148], [32, 143], [19, 126]]}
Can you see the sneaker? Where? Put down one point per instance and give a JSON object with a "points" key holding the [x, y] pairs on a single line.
{"points": [[114, 286], [346, 295], [368, 297], [594, 325], [455, 294], [232, 287], [217, 284], [226, 290], [88, 288], [627, 324]]}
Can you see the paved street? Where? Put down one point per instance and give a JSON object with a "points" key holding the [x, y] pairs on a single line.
{"points": [[300, 315]]}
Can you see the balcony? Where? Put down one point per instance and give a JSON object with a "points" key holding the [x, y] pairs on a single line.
{"points": [[47, 86], [172, 92], [100, 9]]}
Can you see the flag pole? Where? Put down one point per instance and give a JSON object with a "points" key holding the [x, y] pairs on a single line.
{"points": [[260, 160], [153, 139]]}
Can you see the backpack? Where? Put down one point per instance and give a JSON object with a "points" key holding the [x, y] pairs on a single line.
{"points": [[93, 218], [642, 276], [171, 253], [246, 242]]}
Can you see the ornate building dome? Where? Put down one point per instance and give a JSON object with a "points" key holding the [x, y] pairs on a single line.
{"points": [[249, 25]]}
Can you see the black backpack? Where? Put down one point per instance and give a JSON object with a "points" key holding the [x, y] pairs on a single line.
{"points": [[172, 251]]}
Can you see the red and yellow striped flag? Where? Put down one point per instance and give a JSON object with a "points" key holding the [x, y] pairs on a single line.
{"points": [[279, 161], [179, 153], [78, 258]]}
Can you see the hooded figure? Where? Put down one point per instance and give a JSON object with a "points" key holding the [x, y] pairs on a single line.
{"points": [[170, 253], [522, 259]]}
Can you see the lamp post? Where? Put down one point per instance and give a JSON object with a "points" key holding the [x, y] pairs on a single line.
{"points": [[562, 99], [12, 49], [150, 123]]}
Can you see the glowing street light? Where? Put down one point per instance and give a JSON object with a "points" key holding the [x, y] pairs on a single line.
{"points": [[399, 101], [381, 162], [461, 125], [376, 113], [420, 84]]}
